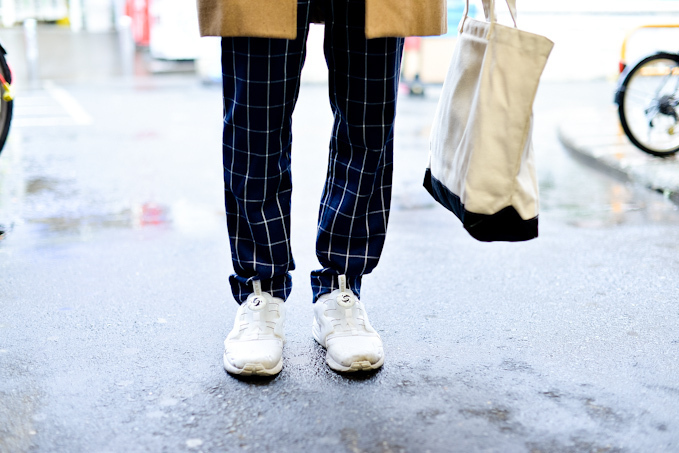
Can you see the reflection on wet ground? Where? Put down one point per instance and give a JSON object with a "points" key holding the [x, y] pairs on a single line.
{"points": [[137, 216], [74, 225], [621, 203], [578, 195], [46, 204], [617, 203], [53, 184], [40, 184], [125, 169], [52, 205]]}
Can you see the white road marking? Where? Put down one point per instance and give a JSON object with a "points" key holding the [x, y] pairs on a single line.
{"points": [[51, 106]]}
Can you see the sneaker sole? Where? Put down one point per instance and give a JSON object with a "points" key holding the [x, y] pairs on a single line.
{"points": [[253, 369], [362, 365]]}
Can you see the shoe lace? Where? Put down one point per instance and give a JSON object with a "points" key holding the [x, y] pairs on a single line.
{"points": [[347, 318], [256, 324]]}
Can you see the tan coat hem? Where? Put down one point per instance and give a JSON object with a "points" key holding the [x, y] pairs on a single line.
{"points": [[278, 18]]}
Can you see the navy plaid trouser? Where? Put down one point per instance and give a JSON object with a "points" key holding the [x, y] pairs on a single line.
{"points": [[261, 80]]}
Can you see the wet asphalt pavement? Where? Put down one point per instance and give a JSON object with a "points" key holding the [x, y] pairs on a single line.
{"points": [[114, 299]]}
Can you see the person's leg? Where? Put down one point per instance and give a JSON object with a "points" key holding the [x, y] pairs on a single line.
{"points": [[363, 84], [261, 83], [363, 76]]}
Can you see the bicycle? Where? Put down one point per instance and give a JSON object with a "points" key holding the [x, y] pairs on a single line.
{"points": [[648, 101], [6, 98]]}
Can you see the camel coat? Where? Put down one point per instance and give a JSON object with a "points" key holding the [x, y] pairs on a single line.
{"points": [[278, 18]]}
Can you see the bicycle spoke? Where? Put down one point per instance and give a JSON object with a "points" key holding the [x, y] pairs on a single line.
{"points": [[641, 96]]}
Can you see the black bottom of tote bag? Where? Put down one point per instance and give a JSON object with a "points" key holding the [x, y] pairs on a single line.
{"points": [[506, 225]]}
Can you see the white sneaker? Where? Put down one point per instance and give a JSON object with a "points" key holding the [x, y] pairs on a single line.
{"points": [[255, 345], [341, 326]]}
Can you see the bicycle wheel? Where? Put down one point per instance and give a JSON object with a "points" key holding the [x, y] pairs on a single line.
{"points": [[648, 102], [5, 105]]}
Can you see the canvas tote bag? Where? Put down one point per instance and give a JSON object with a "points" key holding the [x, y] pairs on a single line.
{"points": [[481, 164]]}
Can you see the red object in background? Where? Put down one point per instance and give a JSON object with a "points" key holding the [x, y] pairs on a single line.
{"points": [[138, 10], [151, 214], [412, 43]]}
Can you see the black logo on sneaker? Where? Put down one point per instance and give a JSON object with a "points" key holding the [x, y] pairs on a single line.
{"points": [[345, 299], [257, 303]]}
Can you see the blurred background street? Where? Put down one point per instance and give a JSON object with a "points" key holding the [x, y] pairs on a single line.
{"points": [[114, 258]]}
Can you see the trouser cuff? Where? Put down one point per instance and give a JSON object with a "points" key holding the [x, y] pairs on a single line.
{"points": [[278, 286], [324, 281]]}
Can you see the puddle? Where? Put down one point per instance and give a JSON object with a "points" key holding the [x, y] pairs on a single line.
{"points": [[585, 197], [138, 216], [50, 205], [40, 184], [615, 203], [123, 219]]}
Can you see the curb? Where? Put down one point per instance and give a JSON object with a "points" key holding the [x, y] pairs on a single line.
{"points": [[596, 139]]}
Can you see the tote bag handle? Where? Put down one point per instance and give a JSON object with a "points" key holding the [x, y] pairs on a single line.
{"points": [[489, 11]]}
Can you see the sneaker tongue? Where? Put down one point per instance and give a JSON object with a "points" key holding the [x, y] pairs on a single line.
{"points": [[342, 280], [345, 298]]}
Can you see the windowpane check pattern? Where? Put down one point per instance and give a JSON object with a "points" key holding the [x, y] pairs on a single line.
{"points": [[261, 81]]}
